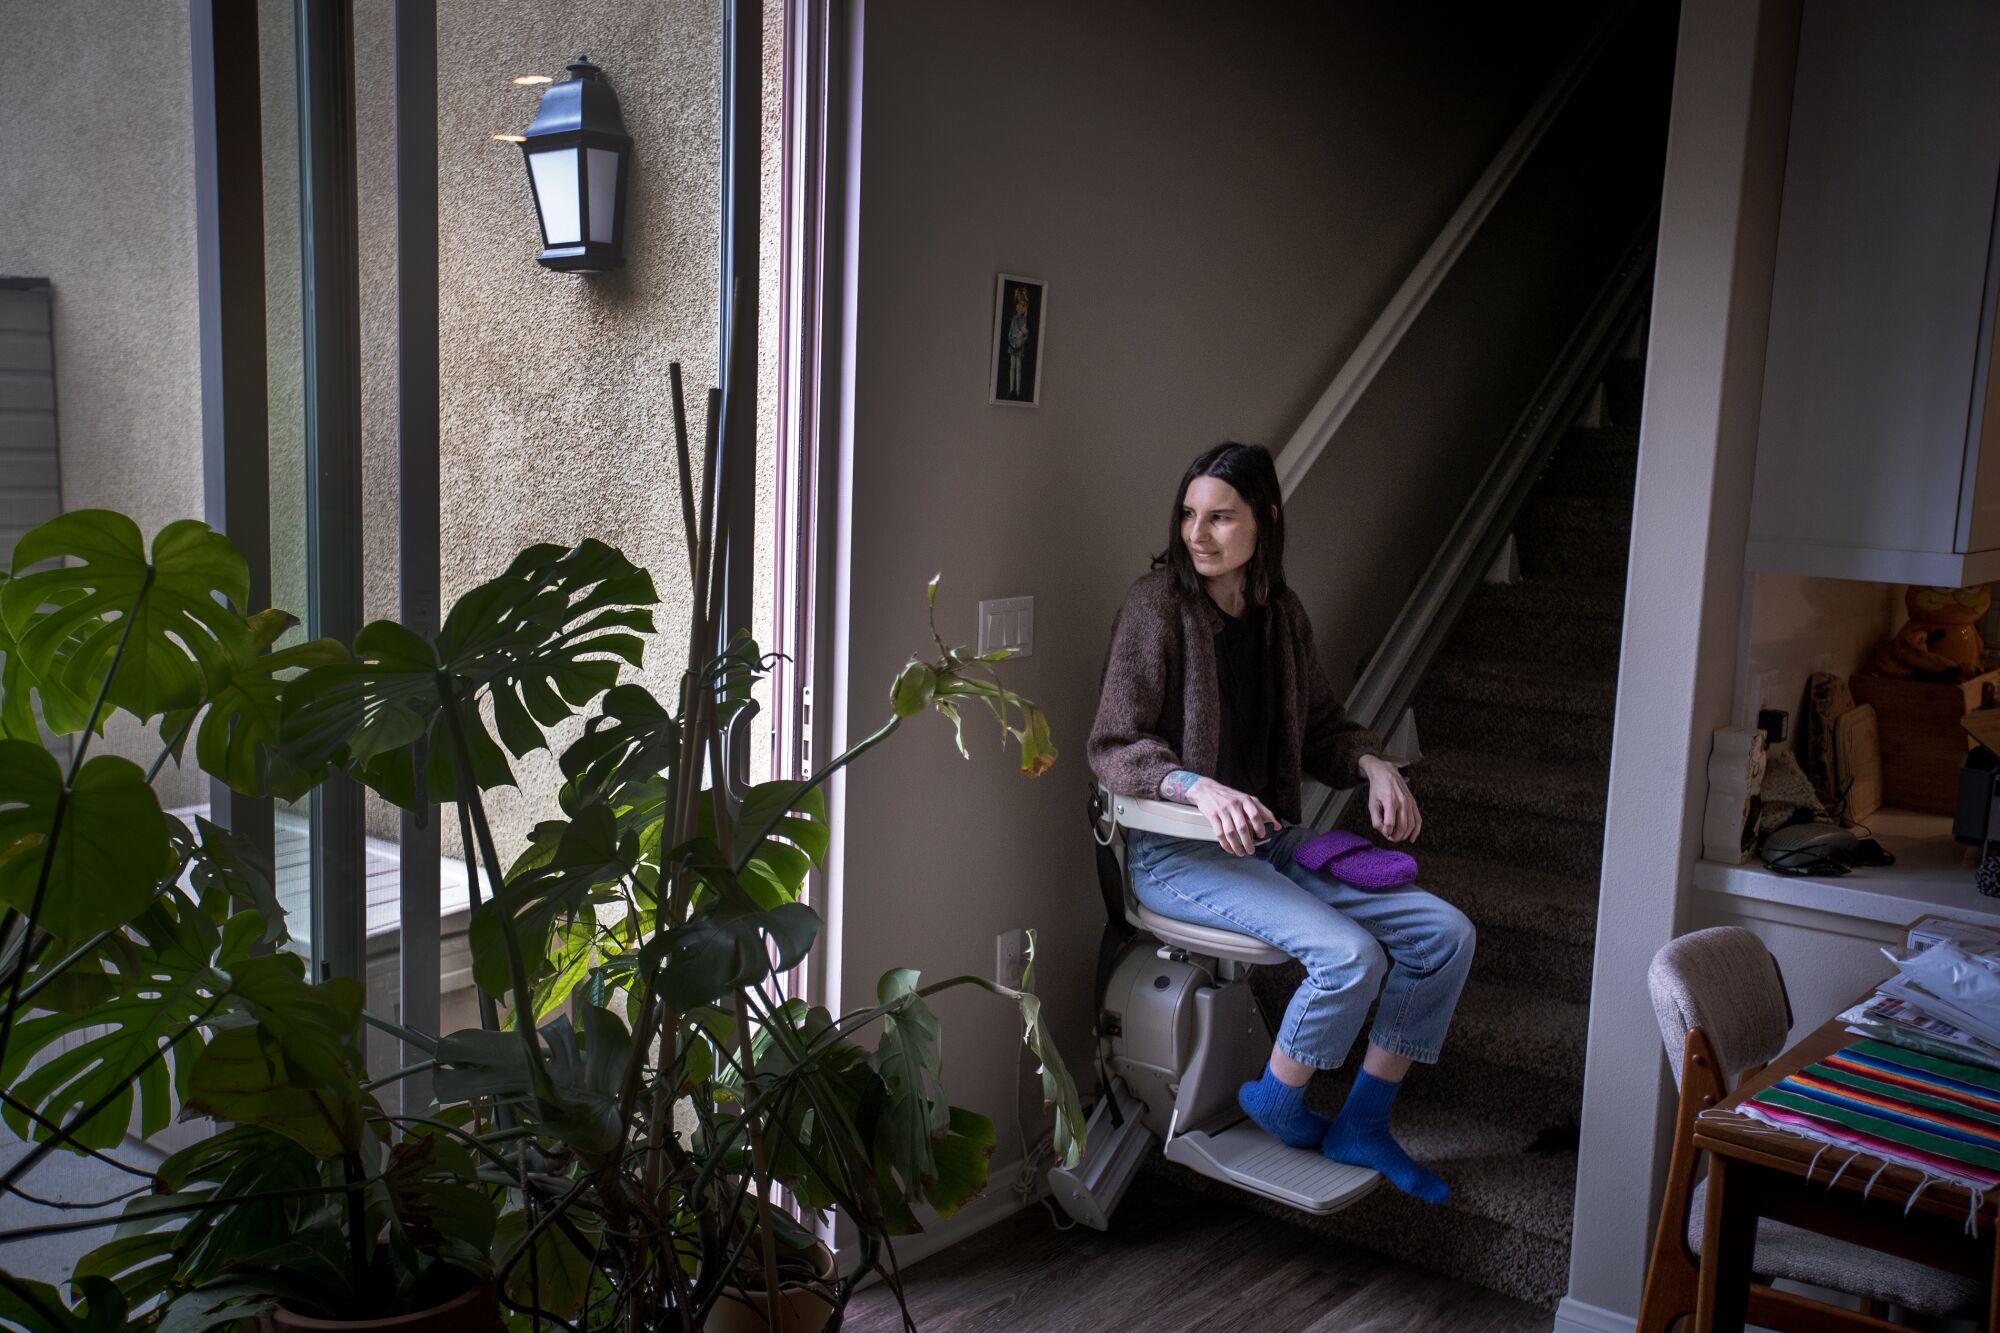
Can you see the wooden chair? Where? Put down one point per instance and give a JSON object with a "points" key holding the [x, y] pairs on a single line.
{"points": [[1720, 998]]}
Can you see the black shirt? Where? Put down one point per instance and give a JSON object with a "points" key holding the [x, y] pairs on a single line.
{"points": [[1243, 682]]}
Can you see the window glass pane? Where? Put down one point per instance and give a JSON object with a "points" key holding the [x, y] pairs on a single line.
{"points": [[284, 333], [555, 191], [603, 193], [375, 238]]}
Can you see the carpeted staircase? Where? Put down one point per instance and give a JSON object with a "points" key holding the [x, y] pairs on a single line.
{"points": [[1515, 722]]}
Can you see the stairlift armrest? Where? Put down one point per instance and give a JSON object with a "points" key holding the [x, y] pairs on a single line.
{"points": [[1151, 816]]}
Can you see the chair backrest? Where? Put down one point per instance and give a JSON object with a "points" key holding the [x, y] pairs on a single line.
{"points": [[1725, 982]]}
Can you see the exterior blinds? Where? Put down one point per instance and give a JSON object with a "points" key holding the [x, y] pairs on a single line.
{"points": [[29, 485]]}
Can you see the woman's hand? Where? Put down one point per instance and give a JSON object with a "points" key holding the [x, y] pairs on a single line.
{"points": [[1238, 818], [1390, 806]]}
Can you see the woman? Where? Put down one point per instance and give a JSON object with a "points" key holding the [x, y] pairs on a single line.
{"points": [[1213, 697]]}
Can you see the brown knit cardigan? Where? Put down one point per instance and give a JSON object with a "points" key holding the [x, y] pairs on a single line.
{"points": [[1158, 708]]}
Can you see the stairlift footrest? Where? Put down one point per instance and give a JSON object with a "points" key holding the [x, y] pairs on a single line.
{"points": [[1245, 1156]]}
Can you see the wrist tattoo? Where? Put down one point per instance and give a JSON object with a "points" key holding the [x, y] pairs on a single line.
{"points": [[1176, 785]]}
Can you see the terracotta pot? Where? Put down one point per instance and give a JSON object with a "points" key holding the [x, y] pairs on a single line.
{"points": [[807, 1308], [477, 1311]]}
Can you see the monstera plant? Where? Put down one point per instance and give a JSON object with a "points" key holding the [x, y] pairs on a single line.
{"points": [[609, 1149]]}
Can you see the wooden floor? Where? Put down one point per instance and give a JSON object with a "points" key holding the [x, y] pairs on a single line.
{"points": [[1176, 1263]]}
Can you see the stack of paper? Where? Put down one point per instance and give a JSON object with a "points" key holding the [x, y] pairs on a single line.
{"points": [[1944, 998]]}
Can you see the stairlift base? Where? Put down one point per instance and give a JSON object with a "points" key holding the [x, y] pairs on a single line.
{"points": [[1184, 1034]]}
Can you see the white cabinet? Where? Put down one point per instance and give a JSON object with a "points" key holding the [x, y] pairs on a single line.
{"points": [[1880, 399]]}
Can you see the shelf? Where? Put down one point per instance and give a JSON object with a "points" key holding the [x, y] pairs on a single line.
{"points": [[1933, 873], [1949, 569]]}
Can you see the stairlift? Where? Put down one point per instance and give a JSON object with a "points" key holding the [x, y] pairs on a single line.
{"points": [[1178, 1031]]}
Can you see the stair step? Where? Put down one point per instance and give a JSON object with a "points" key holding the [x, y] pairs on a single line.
{"points": [[1521, 786], [1549, 551], [1505, 897], [1531, 960], [1491, 1167], [1523, 1264], [1535, 708], [1624, 390], [1596, 461], [1473, 807], [1539, 685], [1515, 1026], [1577, 516], [1567, 736], [1577, 621]]}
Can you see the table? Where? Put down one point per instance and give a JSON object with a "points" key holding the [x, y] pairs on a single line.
{"points": [[1755, 1173]]}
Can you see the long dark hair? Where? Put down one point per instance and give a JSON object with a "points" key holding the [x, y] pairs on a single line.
{"points": [[1249, 469]]}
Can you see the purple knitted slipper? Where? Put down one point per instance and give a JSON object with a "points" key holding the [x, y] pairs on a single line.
{"points": [[1353, 859]]}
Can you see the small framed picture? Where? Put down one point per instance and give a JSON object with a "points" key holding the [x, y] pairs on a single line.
{"points": [[1015, 375]]}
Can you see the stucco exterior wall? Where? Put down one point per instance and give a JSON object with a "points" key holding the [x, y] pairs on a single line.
{"points": [[97, 195], [555, 416]]}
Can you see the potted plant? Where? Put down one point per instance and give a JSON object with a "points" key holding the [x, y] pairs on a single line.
{"points": [[141, 971], [608, 1148]]}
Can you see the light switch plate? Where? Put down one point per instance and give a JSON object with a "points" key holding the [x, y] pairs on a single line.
{"points": [[1007, 622]]}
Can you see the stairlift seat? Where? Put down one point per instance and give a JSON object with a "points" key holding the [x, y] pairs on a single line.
{"points": [[1203, 939], [1180, 821]]}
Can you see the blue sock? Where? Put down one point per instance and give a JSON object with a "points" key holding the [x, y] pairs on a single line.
{"points": [[1360, 1137], [1280, 1111]]}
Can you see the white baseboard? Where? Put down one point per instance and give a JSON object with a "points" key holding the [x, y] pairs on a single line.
{"points": [[942, 1233], [1573, 1316]]}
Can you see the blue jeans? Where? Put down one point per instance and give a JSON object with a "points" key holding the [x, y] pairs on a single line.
{"points": [[1411, 947]]}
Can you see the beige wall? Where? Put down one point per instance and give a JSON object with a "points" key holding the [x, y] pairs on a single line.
{"points": [[1220, 199], [97, 195]]}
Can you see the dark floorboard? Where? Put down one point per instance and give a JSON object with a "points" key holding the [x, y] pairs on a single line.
{"points": [[1176, 1263]]}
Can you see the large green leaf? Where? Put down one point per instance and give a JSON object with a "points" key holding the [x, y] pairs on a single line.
{"points": [[297, 1070], [534, 645], [180, 633], [36, 1307], [962, 1154], [796, 836], [592, 855], [719, 952], [556, 1272], [238, 871], [61, 711], [1058, 1088], [238, 739], [433, 1202], [587, 1075], [909, 1059], [169, 1240], [633, 739], [106, 1016], [109, 855]]}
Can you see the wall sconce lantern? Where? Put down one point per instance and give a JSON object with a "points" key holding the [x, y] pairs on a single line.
{"points": [[578, 157]]}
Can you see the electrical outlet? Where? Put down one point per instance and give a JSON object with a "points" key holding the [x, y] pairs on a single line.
{"points": [[1010, 957]]}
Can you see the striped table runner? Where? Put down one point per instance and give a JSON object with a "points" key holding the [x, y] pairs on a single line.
{"points": [[1935, 1116]]}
